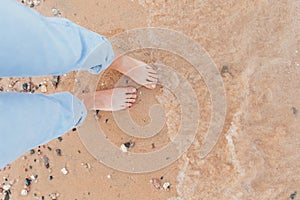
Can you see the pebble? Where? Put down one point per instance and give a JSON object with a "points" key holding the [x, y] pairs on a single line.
{"points": [[32, 151], [53, 196], [123, 148], [27, 181], [33, 177], [59, 139], [6, 187], [109, 176], [166, 186], [45, 160], [58, 152], [44, 89], [64, 171], [129, 144], [24, 192], [55, 11]]}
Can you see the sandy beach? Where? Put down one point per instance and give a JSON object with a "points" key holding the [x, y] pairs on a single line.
{"points": [[255, 46]]}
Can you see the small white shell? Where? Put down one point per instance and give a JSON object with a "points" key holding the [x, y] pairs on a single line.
{"points": [[44, 88], [64, 171], [24, 192], [6, 187], [55, 11], [166, 186], [123, 148]]}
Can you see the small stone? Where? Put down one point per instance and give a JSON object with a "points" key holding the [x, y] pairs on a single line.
{"points": [[59, 139], [58, 152], [45, 160], [50, 178], [294, 110], [123, 148], [64, 171], [156, 183], [109, 176], [33, 177], [55, 11], [166, 186], [27, 182], [55, 80], [6, 187], [24, 192], [32, 151], [129, 144], [225, 70], [293, 195], [44, 89], [53, 196], [74, 129], [49, 148]]}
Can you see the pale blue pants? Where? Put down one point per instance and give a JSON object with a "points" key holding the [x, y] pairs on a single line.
{"points": [[33, 45]]}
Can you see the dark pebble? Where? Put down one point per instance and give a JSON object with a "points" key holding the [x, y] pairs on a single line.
{"points": [[295, 111], [27, 181], [127, 144], [30, 167], [106, 120], [58, 152], [49, 148], [50, 178], [32, 151], [161, 178], [74, 129], [24, 86], [59, 139], [292, 196]]}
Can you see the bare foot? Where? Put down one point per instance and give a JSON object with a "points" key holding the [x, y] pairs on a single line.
{"points": [[111, 100], [138, 71]]}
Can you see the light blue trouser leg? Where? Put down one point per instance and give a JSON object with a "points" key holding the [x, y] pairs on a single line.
{"points": [[33, 45]]}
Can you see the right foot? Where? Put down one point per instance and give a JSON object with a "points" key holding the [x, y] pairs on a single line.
{"points": [[115, 99]]}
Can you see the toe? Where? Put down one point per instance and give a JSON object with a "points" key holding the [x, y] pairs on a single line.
{"points": [[127, 105], [151, 79], [130, 100], [131, 96], [130, 90]]}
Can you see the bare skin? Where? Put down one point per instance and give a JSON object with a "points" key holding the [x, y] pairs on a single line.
{"points": [[122, 98]]}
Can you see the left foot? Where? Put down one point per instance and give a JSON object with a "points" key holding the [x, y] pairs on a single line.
{"points": [[138, 71]]}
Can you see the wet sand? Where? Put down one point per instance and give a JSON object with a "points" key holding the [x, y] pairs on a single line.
{"points": [[256, 156]]}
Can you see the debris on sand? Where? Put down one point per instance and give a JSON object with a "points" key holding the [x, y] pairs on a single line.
{"points": [[55, 11], [156, 183], [55, 80], [45, 160], [125, 146], [64, 171], [166, 186], [58, 152], [24, 192]]}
